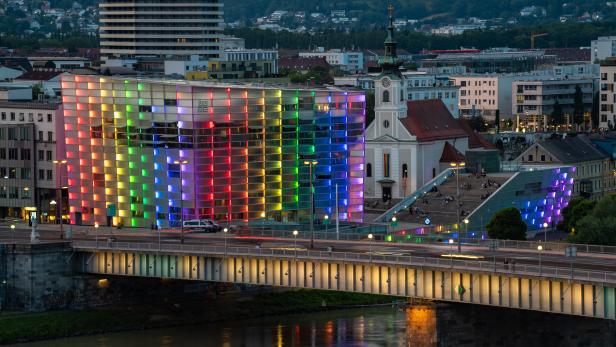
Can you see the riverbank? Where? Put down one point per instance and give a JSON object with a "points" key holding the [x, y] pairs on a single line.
{"points": [[21, 327]]}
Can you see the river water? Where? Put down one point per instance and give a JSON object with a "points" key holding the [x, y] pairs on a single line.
{"points": [[388, 326]]}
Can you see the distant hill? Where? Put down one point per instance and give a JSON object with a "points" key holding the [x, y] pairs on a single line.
{"points": [[374, 10]]}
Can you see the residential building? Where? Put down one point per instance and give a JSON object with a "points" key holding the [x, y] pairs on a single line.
{"points": [[593, 176], [537, 97], [28, 147], [351, 61], [607, 94], [160, 28], [162, 151], [492, 61], [484, 94], [602, 48]]}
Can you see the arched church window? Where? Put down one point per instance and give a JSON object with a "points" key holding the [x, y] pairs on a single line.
{"points": [[368, 170], [385, 96]]}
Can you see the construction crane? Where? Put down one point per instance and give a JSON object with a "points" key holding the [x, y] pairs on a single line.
{"points": [[533, 36]]}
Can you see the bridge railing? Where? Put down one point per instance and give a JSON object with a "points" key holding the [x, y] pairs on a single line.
{"points": [[433, 239], [359, 257]]}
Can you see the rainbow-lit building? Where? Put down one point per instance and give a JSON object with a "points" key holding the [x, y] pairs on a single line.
{"points": [[154, 151]]}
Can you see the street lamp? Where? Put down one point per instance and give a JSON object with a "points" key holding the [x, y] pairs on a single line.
{"points": [[225, 231], [58, 164], [466, 221], [545, 232], [394, 223], [310, 164], [451, 248], [540, 248], [326, 222], [457, 166], [13, 233], [370, 237], [295, 232], [96, 233], [181, 162]]}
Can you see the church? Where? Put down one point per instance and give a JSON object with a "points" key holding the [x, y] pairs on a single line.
{"points": [[409, 142]]}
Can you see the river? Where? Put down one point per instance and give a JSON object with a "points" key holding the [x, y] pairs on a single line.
{"points": [[419, 325]]}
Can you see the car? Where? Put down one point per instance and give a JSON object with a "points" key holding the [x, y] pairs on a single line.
{"points": [[215, 226], [199, 225]]}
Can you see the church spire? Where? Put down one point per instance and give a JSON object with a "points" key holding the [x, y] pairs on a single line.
{"points": [[389, 62]]}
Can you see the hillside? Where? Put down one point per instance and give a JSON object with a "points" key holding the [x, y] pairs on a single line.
{"points": [[374, 10]]}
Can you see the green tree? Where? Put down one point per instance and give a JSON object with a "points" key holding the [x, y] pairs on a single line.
{"points": [[507, 224], [578, 106], [497, 121], [477, 123], [599, 226], [577, 209], [557, 117]]}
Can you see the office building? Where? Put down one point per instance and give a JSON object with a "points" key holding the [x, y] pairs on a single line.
{"points": [[148, 151], [130, 29]]}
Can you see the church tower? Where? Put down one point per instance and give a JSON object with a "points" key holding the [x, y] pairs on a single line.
{"points": [[390, 85]]}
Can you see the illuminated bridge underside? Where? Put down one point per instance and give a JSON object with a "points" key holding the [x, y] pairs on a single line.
{"points": [[587, 299]]}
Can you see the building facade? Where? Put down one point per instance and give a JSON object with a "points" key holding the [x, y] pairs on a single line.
{"points": [[351, 61], [146, 151], [607, 94], [160, 28], [602, 48], [27, 170]]}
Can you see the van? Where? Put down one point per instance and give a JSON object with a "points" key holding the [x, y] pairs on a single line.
{"points": [[198, 225]]}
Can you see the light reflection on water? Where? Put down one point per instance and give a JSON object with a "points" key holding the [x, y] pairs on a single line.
{"points": [[413, 326]]}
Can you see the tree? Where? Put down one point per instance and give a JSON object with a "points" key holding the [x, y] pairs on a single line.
{"points": [[36, 90], [599, 226], [369, 107], [497, 122], [557, 117], [577, 209], [477, 123], [578, 106], [507, 224]]}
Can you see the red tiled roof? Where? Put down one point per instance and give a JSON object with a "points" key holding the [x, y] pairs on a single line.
{"points": [[430, 120], [302, 63], [569, 54], [451, 154], [475, 140], [39, 75]]}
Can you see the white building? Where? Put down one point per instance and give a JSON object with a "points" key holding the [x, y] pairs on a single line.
{"points": [[607, 91], [347, 60], [160, 28], [602, 48]]}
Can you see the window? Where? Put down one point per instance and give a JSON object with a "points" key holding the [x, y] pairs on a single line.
{"points": [[25, 154], [11, 134], [40, 136], [13, 193], [385, 96], [3, 172], [30, 117], [3, 115], [12, 153], [49, 117], [543, 157], [22, 116], [171, 102], [2, 133], [49, 156], [41, 155], [3, 192], [368, 170], [405, 171], [41, 174], [12, 172], [25, 173], [25, 193], [39, 117], [12, 115], [2, 153], [49, 136], [49, 175], [386, 164], [530, 157]]}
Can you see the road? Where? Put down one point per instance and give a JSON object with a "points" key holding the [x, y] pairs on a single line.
{"points": [[584, 261]]}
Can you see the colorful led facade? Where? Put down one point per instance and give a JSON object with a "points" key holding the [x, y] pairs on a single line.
{"points": [[238, 150]]}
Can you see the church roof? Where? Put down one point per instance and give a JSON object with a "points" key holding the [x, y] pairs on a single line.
{"points": [[451, 154], [430, 120]]}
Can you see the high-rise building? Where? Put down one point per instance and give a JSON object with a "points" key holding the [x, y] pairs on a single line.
{"points": [[159, 151], [129, 29]]}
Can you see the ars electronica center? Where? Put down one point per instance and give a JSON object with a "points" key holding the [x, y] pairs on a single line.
{"points": [[161, 151]]}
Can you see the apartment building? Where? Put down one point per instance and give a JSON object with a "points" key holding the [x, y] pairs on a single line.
{"points": [[607, 95]]}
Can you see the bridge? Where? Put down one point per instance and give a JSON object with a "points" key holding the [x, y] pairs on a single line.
{"points": [[546, 282]]}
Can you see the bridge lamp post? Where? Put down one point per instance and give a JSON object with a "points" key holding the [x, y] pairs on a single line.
{"points": [[181, 162], [451, 248], [96, 233], [370, 237], [466, 221], [13, 233], [540, 248], [326, 222], [545, 232], [225, 231], [295, 232], [457, 166], [310, 164], [394, 223], [58, 164]]}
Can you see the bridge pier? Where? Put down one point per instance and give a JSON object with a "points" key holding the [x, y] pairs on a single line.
{"points": [[444, 284]]}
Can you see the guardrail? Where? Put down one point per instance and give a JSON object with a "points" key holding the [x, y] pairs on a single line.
{"points": [[434, 239], [360, 257]]}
